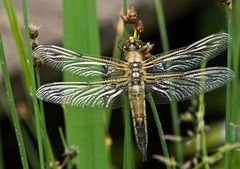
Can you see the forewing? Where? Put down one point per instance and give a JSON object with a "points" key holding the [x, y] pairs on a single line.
{"points": [[181, 86], [83, 94], [188, 57], [77, 64]]}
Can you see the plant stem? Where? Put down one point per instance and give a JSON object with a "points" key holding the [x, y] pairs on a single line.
{"points": [[38, 118], [213, 158], [233, 92], [128, 149], [43, 124], [228, 91], [173, 105], [12, 108], [160, 129], [19, 42], [202, 130]]}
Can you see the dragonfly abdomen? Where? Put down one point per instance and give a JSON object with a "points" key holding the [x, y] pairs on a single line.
{"points": [[137, 103]]}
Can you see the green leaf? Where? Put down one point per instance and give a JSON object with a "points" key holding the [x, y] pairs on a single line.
{"points": [[85, 128]]}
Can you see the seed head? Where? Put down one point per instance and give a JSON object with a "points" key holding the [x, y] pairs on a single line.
{"points": [[139, 27], [131, 17], [33, 31]]}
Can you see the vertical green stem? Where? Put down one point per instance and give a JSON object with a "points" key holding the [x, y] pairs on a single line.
{"points": [[12, 107], [202, 130], [228, 92], [44, 128], [160, 129], [162, 25], [236, 69], [173, 105], [64, 143], [128, 162], [19, 42], [38, 118], [233, 93]]}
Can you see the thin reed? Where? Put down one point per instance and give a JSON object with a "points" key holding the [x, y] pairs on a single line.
{"points": [[233, 91], [12, 107]]}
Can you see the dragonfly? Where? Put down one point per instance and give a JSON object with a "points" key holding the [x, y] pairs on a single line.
{"points": [[169, 77]]}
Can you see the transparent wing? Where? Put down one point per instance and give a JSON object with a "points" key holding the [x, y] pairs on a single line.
{"points": [[97, 94], [77, 64], [188, 57], [181, 86]]}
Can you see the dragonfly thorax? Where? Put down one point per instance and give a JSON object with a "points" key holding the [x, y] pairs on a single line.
{"points": [[133, 56]]}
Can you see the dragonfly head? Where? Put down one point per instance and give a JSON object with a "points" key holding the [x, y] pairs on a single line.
{"points": [[132, 44]]}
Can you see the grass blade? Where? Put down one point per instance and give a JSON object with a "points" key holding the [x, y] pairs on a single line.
{"points": [[162, 25], [85, 128], [232, 105], [37, 114], [128, 160], [19, 42], [12, 107], [228, 92], [160, 129], [173, 105]]}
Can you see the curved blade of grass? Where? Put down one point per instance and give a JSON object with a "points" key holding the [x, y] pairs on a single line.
{"points": [[173, 105], [19, 42], [85, 128], [12, 108]]}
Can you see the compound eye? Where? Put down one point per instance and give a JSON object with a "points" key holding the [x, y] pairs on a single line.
{"points": [[124, 47]]}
